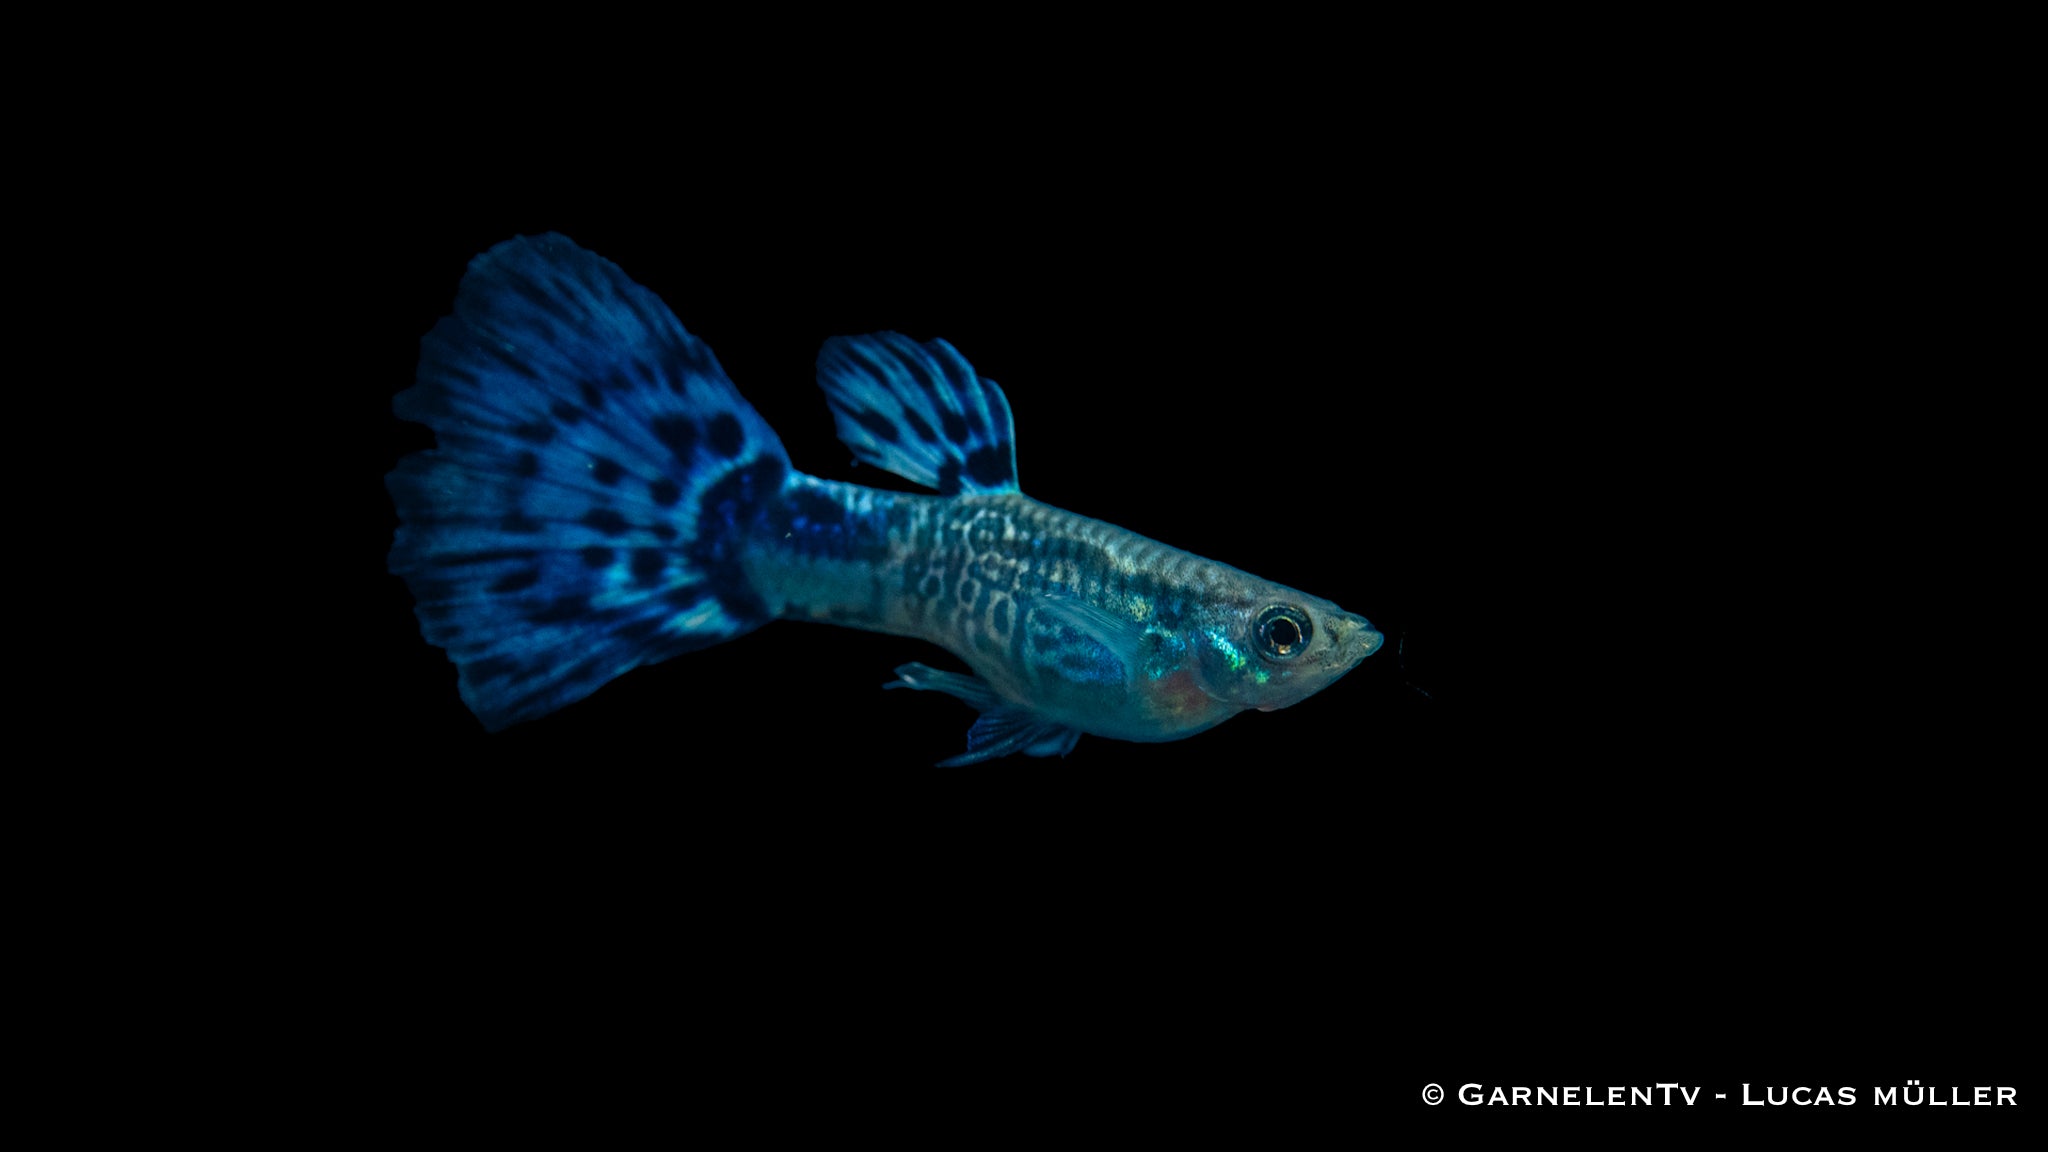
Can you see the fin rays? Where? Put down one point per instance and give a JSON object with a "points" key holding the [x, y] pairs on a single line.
{"points": [[919, 411], [1002, 729], [593, 460]]}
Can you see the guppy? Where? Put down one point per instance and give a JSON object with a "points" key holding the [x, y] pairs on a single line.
{"points": [[602, 498]]}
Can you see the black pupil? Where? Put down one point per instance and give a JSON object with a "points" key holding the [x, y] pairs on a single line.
{"points": [[1285, 634]]}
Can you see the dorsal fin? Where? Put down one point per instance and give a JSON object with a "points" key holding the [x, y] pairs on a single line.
{"points": [[919, 411]]}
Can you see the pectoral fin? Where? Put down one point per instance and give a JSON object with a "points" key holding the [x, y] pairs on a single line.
{"points": [[1094, 632], [1003, 729]]}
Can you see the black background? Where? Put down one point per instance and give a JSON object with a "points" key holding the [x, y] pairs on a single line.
{"points": [[1608, 809]]}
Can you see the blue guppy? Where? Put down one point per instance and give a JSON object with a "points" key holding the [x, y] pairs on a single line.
{"points": [[601, 497]]}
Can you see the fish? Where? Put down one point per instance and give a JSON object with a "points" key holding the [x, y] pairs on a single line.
{"points": [[601, 497]]}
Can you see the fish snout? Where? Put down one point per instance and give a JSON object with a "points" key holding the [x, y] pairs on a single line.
{"points": [[1355, 638]]}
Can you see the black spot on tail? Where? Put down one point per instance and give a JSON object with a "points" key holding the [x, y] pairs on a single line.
{"points": [[664, 492], [526, 466], [483, 556], [607, 521], [569, 414], [509, 359], [606, 471], [560, 610], [643, 374], [536, 432], [955, 425], [518, 581], [597, 557], [638, 631], [727, 438], [592, 398], [519, 523], [678, 434], [924, 431], [648, 565]]}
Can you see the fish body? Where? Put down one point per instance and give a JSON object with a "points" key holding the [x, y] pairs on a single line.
{"points": [[602, 497]]}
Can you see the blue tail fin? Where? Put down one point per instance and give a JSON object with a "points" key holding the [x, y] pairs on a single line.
{"points": [[596, 470]]}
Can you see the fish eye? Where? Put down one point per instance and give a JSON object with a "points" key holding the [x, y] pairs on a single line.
{"points": [[1283, 632]]}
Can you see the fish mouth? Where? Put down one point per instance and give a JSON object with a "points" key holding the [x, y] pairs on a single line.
{"points": [[1369, 642], [1356, 639]]}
